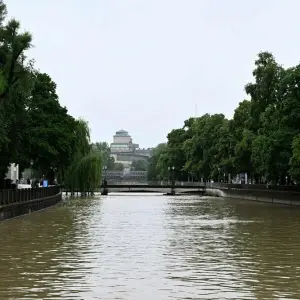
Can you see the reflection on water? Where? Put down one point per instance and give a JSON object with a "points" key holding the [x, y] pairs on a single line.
{"points": [[152, 247]]}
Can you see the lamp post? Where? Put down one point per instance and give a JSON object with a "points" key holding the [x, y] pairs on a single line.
{"points": [[31, 165], [54, 174], [104, 182], [173, 180], [171, 176], [105, 169], [173, 173], [219, 175]]}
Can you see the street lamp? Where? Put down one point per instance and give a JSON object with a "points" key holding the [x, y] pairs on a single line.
{"points": [[105, 168], [31, 165], [219, 175], [104, 182], [171, 174], [52, 175]]}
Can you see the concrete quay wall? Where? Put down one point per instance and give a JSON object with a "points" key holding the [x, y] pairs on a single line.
{"points": [[270, 196]]}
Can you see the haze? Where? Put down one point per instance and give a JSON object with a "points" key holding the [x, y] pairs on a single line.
{"points": [[146, 66]]}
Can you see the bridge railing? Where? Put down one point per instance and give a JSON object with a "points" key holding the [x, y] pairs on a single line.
{"points": [[181, 183], [156, 183]]}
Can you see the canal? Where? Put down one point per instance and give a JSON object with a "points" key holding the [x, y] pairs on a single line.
{"points": [[152, 247]]}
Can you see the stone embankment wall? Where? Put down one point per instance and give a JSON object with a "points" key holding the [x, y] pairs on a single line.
{"points": [[25, 206], [288, 197]]}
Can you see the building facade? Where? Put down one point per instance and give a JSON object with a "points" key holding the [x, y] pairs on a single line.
{"points": [[122, 142], [124, 151]]}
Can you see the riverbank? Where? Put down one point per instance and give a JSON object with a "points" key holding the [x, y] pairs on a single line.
{"points": [[252, 194], [15, 203]]}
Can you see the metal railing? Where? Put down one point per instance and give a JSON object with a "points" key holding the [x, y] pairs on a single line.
{"points": [[24, 195], [156, 183]]}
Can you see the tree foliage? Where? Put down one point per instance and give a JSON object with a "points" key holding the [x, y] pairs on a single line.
{"points": [[108, 161], [154, 169], [139, 165], [34, 127], [262, 138]]}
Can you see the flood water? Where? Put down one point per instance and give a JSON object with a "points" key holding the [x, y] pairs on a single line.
{"points": [[152, 247]]}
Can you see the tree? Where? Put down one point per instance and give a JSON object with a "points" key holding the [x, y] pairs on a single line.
{"points": [[118, 167], [85, 171], [33, 124], [264, 91], [202, 148], [50, 129], [139, 165], [154, 171], [104, 149], [14, 82], [107, 160], [295, 160], [262, 139]]}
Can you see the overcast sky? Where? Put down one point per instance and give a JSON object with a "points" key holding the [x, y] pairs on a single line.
{"points": [[146, 66]]}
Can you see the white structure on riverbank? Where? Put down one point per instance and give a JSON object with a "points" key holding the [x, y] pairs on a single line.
{"points": [[13, 172]]}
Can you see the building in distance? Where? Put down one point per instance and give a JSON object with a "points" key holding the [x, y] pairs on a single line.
{"points": [[124, 151]]}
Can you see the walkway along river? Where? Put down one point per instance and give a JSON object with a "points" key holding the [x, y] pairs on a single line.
{"points": [[152, 247]]}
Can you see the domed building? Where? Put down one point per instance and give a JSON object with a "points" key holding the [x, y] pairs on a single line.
{"points": [[124, 151], [122, 143]]}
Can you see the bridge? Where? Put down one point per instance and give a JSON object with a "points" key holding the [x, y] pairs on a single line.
{"points": [[170, 188], [136, 176]]}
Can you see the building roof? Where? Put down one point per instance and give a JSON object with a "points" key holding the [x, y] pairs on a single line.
{"points": [[122, 133]]}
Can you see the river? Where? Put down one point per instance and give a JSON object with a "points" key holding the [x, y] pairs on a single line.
{"points": [[152, 247]]}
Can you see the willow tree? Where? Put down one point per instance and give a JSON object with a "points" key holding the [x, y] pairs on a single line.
{"points": [[85, 171]]}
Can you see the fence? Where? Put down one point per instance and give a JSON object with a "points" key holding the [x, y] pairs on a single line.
{"points": [[25, 195]]}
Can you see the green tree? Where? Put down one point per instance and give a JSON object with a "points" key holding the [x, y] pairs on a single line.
{"points": [[154, 171], [139, 165], [262, 138], [202, 149], [33, 124], [118, 167], [14, 81], [107, 159], [295, 160], [264, 90], [85, 171], [50, 129]]}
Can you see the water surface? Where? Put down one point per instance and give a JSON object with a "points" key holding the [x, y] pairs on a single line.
{"points": [[152, 247]]}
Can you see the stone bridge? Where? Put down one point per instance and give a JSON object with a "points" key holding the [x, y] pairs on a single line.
{"points": [[166, 188]]}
